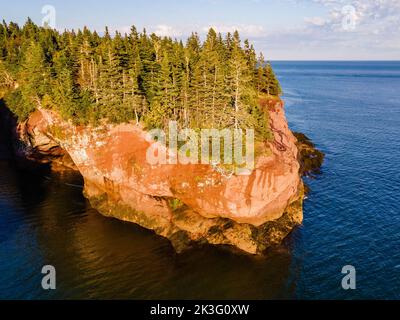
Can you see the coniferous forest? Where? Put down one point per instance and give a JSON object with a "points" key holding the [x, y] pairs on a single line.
{"points": [[137, 77]]}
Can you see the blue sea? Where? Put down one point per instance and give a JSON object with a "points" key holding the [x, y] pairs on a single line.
{"points": [[350, 110]]}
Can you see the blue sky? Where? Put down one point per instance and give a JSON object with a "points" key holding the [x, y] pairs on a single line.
{"points": [[282, 29]]}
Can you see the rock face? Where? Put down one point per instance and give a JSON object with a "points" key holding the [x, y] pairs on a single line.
{"points": [[185, 203], [311, 159]]}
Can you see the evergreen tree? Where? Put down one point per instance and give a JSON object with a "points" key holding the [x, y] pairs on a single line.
{"points": [[261, 79], [34, 76], [135, 77], [273, 86], [64, 92], [241, 78]]}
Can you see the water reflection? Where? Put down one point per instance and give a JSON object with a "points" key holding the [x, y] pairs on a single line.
{"points": [[47, 221]]}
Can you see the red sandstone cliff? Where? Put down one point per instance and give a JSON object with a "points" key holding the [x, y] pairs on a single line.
{"points": [[249, 212]]}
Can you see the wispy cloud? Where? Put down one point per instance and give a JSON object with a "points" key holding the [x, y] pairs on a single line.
{"points": [[367, 29], [164, 30], [371, 16], [246, 30], [345, 29]]}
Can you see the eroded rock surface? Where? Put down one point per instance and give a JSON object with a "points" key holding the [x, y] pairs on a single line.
{"points": [[184, 203]]}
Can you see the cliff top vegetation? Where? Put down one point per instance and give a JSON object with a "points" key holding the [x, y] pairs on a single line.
{"points": [[85, 77]]}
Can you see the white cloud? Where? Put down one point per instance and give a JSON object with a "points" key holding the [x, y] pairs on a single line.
{"points": [[164, 30], [316, 21], [121, 29], [161, 30], [375, 34], [370, 16], [245, 30], [371, 31]]}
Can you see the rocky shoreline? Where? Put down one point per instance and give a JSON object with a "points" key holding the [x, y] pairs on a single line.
{"points": [[189, 206]]}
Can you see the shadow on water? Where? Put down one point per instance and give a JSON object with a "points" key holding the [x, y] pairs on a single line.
{"points": [[99, 257], [44, 219]]}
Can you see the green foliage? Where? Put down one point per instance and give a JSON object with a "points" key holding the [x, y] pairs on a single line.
{"points": [[273, 87], [21, 107], [175, 204], [135, 77]]}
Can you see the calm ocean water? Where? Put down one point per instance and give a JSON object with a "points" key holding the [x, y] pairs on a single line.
{"points": [[351, 110]]}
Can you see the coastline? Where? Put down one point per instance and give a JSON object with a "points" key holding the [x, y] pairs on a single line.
{"points": [[182, 221]]}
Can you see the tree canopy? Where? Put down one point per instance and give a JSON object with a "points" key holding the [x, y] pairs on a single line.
{"points": [[135, 77]]}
